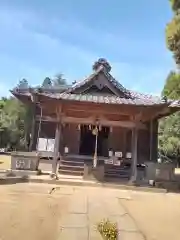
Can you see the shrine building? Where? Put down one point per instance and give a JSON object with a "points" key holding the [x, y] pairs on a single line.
{"points": [[96, 120]]}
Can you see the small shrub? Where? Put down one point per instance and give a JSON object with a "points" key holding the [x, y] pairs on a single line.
{"points": [[108, 230], [39, 172]]}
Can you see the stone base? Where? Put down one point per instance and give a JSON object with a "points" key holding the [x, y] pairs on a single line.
{"points": [[91, 173], [160, 171], [21, 173], [27, 161]]}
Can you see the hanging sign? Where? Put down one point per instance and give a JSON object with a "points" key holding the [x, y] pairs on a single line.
{"points": [[66, 150], [42, 144], [110, 153], [128, 155], [118, 154]]}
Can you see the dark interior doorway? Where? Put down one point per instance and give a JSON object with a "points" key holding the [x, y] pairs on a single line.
{"points": [[87, 141]]}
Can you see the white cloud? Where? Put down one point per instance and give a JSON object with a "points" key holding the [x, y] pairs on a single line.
{"points": [[34, 46]]}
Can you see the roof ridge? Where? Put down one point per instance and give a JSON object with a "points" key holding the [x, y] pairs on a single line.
{"points": [[81, 82]]}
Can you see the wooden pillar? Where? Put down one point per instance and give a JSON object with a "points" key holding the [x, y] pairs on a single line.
{"points": [[134, 155], [124, 142], [32, 134], [33, 127], [56, 148], [151, 140]]}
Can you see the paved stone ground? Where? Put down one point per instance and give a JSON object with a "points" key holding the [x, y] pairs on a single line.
{"points": [[39, 211]]}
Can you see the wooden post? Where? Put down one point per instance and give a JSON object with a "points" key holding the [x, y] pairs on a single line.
{"points": [[124, 142], [133, 177], [56, 148], [151, 140], [32, 133], [95, 150], [33, 124]]}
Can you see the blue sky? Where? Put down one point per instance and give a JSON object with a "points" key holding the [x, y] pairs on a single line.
{"points": [[41, 38]]}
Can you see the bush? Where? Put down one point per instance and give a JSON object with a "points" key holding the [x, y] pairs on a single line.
{"points": [[108, 230]]}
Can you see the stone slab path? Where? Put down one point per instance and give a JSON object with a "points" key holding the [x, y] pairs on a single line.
{"points": [[86, 209], [42, 212]]}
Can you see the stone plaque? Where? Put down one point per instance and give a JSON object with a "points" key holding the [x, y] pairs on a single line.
{"points": [[22, 163]]}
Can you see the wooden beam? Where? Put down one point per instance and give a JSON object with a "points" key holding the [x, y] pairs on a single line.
{"points": [[46, 119], [126, 124], [92, 120], [101, 109], [66, 119]]}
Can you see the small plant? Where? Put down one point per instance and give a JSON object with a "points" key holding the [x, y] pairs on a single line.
{"points": [[39, 172], [108, 230]]}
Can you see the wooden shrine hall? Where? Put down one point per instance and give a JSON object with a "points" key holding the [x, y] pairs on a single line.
{"points": [[96, 121]]}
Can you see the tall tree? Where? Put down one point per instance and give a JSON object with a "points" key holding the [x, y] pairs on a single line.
{"points": [[23, 84], [12, 123], [59, 80], [173, 31], [47, 83], [175, 4], [169, 127]]}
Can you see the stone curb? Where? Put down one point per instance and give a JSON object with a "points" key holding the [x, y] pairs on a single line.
{"points": [[14, 180]]}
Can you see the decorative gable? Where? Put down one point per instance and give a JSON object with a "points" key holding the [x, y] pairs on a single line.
{"points": [[100, 82]]}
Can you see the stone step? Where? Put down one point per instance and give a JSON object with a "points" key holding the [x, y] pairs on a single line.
{"points": [[116, 175], [73, 159], [72, 163], [117, 170], [70, 172], [70, 167]]}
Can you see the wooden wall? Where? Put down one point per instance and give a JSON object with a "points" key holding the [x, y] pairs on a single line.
{"points": [[119, 139]]}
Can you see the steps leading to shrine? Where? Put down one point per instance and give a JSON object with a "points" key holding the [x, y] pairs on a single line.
{"points": [[112, 171], [71, 166]]}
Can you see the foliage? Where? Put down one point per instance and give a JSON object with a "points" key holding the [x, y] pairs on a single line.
{"points": [[175, 4], [16, 118], [47, 83], [173, 31], [59, 80], [172, 86], [56, 82], [23, 84], [169, 127], [12, 123], [108, 230]]}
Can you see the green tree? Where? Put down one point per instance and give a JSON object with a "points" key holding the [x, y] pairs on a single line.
{"points": [[59, 80], [173, 31], [175, 5], [23, 84], [47, 83], [15, 121], [169, 127]]}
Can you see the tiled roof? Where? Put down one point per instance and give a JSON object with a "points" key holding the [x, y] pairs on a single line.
{"points": [[136, 99], [107, 99], [128, 98]]}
